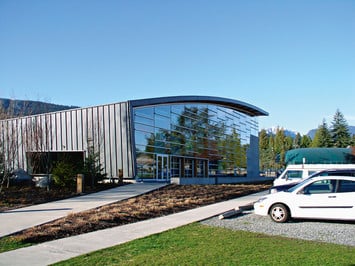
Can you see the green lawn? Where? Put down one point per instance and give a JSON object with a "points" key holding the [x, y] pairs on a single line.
{"points": [[8, 243], [198, 244]]}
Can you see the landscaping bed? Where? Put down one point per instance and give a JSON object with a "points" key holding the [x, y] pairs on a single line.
{"points": [[21, 196], [164, 201]]}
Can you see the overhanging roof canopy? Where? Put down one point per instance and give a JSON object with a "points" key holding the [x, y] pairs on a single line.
{"points": [[229, 103]]}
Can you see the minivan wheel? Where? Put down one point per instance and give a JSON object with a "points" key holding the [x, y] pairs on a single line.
{"points": [[279, 213]]}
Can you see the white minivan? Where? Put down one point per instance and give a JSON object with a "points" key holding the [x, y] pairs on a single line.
{"points": [[297, 172]]}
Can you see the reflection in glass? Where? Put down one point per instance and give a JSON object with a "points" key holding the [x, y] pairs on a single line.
{"points": [[200, 140]]}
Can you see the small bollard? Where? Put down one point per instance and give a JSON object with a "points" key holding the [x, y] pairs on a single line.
{"points": [[79, 183]]}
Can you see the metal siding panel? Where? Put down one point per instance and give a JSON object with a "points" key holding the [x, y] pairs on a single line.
{"points": [[118, 137], [125, 164], [31, 131], [131, 142], [2, 132], [46, 125], [74, 130], [7, 141], [53, 142], [96, 129], [108, 128], [126, 148], [81, 135], [64, 135], [84, 133], [39, 133], [90, 130], [44, 133], [106, 139], [24, 134], [79, 130], [58, 132], [68, 117], [100, 137], [22, 153], [128, 142], [50, 131], [16, 136], [113, 144]]}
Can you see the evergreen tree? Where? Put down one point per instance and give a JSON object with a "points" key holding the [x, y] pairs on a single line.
{"points": [[263, 140], [288, 144], [322, 138], [272, 153], [352, 143], [306, 141], [340, 131], [92, 168], [265, 151], [297, 141], [280, 146]]}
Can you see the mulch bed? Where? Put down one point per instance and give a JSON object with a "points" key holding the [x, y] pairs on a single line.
{"points": [[21, 196], [164, 201]]}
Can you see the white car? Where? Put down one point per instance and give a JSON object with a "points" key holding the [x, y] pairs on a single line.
{"points": [[322, 197]]}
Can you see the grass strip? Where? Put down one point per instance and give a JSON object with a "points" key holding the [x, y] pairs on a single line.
{"points": [[10, 243], [198, 244]]}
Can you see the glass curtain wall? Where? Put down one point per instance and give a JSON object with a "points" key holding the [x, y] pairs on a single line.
{"points": [[191, 140]]}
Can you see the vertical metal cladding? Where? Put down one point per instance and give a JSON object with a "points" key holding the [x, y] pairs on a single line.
{"points": [[104, 128], [109, 131]]}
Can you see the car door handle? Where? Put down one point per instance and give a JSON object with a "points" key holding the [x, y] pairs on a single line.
{"points": [[332, 197]]}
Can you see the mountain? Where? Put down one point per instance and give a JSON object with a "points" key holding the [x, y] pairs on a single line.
{"points": [[312, 132], [26, 107], [288, 133]]}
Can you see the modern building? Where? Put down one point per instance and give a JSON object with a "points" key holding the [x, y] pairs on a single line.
{"points": [[183, 139]]}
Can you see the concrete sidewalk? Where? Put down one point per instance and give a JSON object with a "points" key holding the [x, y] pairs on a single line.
{"points": [[19, 219], [62, 249]]}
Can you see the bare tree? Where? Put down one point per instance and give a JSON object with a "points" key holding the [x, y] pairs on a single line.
{"points": [[8, 144], [16, 136]]}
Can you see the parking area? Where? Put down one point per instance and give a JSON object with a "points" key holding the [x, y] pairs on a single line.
{"points": [[336, 232]]}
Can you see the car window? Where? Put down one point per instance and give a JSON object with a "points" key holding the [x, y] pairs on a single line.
{"points": [[293, 174], [321, 186], [346, 186]]}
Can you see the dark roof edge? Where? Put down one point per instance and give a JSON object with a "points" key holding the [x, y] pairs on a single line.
{"points": [[230, 103]]}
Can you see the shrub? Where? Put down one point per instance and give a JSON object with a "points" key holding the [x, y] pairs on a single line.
{"points": [[64, 174]]}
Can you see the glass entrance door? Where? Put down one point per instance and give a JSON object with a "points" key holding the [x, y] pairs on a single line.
{"points": [[162, 167]]}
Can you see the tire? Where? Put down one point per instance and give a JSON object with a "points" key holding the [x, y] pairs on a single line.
{"points": [[279, 213]]}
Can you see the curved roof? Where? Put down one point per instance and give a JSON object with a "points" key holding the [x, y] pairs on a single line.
{"points": [[320, 156], [225, 102]]}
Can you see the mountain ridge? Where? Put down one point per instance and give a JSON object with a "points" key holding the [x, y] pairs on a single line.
{"points": [[291, 133], [30, 107], [16, 108], [312, 132]]}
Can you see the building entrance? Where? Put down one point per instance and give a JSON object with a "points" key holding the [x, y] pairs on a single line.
{"points": [[162, 167]]}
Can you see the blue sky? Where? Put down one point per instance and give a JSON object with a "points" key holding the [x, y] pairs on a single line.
{"points": [[293, 59]]}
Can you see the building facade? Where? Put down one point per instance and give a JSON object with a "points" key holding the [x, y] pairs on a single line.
{"points": [[195, 138]]}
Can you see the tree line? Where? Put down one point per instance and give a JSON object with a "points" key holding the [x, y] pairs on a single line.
{"points": [[273, 147]]}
